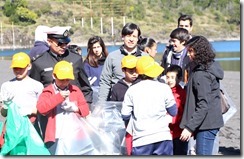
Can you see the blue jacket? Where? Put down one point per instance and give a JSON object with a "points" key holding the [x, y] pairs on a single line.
{"points": [[39, 48]]}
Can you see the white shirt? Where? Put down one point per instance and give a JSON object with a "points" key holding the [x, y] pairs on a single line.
{"points": [[147, 101], [25, 92]]}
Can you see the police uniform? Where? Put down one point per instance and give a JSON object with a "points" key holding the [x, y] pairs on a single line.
{"points": [[42, 67]]}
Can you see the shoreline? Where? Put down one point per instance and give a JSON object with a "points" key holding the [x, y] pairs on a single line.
{"points": [[109, 43]]}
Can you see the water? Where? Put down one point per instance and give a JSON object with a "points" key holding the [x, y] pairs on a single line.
{"points": [[219, 46]]}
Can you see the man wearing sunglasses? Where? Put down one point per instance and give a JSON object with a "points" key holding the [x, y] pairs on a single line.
{"points": [[42, 67]]}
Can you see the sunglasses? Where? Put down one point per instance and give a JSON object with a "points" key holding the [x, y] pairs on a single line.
{"points": [[61, 44]]}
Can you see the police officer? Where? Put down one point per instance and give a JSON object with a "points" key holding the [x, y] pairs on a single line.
{"points": [[42, 66]]}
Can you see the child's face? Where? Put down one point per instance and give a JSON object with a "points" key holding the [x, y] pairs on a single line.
{"points": [[171, 79], [177, 45], [130, 74], [62, 83], [21, 73]]}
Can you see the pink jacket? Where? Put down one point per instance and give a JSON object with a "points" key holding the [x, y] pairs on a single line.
{"points": [[48, 101]]}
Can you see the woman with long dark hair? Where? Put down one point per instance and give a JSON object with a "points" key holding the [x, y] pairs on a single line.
{"points": [[96, 55], [202, 117]]}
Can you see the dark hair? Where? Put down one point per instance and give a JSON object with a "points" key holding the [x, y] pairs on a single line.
{"points": [[146, 42], [74, 48], [181, 34], [129, 29], [204, 53], [91, 57], [175, 68], [185, 17]]}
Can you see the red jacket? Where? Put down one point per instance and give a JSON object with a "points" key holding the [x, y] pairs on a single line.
{"points": [[180, 99], [48, 101]]}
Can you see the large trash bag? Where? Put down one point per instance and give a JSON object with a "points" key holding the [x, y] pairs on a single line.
{"points": [[21, 137], [74, 139], [106, 119]]}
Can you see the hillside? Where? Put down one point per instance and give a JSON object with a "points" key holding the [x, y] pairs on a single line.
{"points": [[217, 20]]}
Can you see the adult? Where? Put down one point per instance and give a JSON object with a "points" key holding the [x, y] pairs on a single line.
{"points": [[41, 44], [93, 64], [42, 67], [149, 46], [112, 72], [202, 117], [185, 21]]}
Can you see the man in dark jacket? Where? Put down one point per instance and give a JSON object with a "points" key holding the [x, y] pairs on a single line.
{"points": [[42, 66]]}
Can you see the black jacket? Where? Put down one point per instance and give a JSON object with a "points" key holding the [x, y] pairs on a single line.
{"points": [[42, 69], [202, 109]]}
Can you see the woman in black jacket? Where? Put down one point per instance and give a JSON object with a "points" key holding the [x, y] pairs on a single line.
{"points": [[202, 117]]}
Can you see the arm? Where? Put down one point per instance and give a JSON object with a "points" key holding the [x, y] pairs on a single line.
{"points": [[127, 107], [48, 101], [34, 73], [202, 91], [82, 104], [105, 80]]}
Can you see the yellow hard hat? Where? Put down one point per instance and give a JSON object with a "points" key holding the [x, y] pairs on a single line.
{"points": [[63, 70], [20, 60], [129, 61], [147, 66]]}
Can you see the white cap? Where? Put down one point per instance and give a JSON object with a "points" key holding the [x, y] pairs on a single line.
{"points": [[57, 30], [59, 33], [40, 33]]}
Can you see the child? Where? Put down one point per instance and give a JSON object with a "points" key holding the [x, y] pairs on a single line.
{"points": [[173, 78], [146, 104], [128, 65], [63, 104], [149, 46], [22, 90]]}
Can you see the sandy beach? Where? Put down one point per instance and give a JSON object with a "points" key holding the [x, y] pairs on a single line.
{"points": [[230, 141]]}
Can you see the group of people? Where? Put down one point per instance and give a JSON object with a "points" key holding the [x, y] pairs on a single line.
{"points": [[163, 105]]}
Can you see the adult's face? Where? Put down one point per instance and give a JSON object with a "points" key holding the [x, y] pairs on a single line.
{"points": [[57, 47], [130, 41], [186, 25]]}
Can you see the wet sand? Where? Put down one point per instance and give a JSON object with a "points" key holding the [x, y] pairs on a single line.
{"points": [[230, 141]]}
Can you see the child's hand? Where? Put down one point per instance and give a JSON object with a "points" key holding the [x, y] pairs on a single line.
{"points": [[7, 98], [70, 107], [64, 94]]}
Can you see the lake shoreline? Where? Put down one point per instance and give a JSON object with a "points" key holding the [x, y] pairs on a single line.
{"points": [[6, 47]]}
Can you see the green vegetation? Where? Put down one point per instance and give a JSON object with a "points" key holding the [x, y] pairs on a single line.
{"points": [[215, 19]]}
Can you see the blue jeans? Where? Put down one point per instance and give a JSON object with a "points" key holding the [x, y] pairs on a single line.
{"points": [[205, 141]]}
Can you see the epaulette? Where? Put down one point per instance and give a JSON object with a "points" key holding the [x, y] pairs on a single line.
{"points": [[36, 57]]}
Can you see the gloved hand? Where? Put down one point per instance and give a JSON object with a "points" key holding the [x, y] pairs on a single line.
{"points": [[70, 107], [7, 98]]}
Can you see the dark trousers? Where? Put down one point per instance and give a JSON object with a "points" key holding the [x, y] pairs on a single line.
{"points": [[180, 147], [158, 148]]}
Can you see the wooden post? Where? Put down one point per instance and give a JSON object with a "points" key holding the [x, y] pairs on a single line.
{"points": [[112, 26], [123, 20], [101, 20], [13, 36]]}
